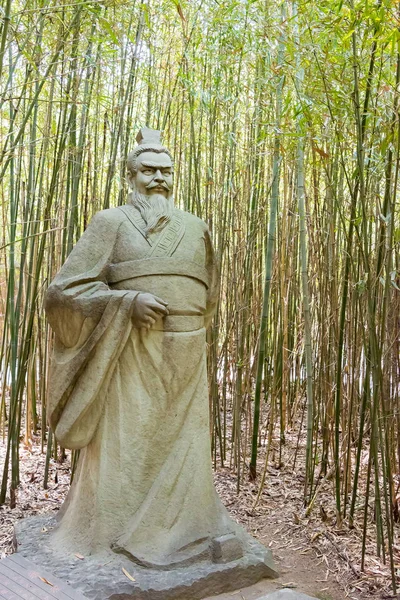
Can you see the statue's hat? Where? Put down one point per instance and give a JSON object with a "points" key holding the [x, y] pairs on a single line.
{"points": [[147, 139], [148, 136]]}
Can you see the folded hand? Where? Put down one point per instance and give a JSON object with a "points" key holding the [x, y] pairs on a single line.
{"points": [[147, 309]]}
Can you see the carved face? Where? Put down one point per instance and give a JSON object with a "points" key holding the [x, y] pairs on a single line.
{"points": [[154, 174]]}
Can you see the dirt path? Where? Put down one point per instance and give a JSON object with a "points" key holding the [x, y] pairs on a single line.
{"points": [[311, 555], [300, 565], [299, 569]]}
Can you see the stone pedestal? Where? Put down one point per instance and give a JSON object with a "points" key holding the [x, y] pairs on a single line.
{"points": [[111, 576]]}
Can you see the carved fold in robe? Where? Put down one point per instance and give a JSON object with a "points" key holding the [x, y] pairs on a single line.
{"points": [[136, 402]]}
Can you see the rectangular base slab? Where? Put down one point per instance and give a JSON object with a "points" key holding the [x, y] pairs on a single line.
{"points": [[102, 577]]}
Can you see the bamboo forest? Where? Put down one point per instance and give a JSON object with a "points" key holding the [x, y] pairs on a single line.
{"points": [[283, 120]]}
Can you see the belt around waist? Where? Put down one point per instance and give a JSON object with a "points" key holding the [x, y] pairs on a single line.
{"points": [[179, 323], [147, 267]]}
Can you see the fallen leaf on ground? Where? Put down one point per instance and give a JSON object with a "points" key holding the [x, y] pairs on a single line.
{"points": [[45, 581], [128, 575]]}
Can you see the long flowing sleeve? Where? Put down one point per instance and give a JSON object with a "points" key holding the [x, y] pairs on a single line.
{"points": [[91, 323]]}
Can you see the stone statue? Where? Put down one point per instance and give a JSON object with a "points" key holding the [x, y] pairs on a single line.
{"points": [[129, 309]]}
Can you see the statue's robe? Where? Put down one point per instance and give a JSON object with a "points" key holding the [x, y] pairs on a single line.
{"points": [[135, 401]]}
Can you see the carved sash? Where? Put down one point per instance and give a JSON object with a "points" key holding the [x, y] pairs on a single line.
{"points": [[131, 269]]}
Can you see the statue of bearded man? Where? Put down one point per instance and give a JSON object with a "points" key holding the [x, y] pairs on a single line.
{"points": [[129, 309]]}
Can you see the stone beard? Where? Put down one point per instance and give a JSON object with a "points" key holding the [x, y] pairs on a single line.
{"points": [[155, 211]]}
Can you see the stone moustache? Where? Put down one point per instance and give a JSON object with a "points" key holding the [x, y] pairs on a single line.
{"points": [[128, 387]]}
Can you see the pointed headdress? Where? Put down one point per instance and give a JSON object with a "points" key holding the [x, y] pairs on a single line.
{"points": [[149, 140]]}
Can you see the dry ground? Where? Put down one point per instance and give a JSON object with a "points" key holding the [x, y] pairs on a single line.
{"points": [[312, 554]]}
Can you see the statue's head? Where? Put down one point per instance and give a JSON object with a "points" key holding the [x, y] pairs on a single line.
{"points": [[151, 176], [150, 166]]}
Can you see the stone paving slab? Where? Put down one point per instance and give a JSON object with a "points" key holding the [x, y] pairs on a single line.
{"points": [[21, 579], [266, 590], [286, 594]]}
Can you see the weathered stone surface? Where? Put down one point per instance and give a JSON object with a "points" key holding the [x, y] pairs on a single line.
{"points": [[21, 579], [101, 577], [287, 594], [226, 548]]}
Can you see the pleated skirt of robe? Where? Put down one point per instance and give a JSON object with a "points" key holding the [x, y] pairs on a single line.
{"points": [[144, 483]]}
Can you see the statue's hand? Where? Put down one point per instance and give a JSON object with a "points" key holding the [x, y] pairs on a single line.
{"points": [[147, 309]]}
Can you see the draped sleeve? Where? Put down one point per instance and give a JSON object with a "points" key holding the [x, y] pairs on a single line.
{"points": [[91, 323]]}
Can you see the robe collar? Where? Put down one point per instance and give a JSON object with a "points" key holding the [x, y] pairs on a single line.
{"points": [[164, 242]]}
